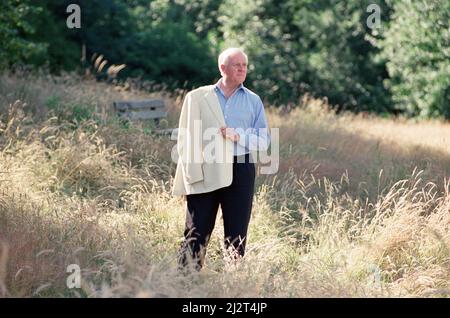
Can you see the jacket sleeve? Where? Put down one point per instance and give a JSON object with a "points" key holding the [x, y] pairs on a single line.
{"points": [[189, 144]]}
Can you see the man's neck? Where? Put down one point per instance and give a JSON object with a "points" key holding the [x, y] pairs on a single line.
{"points": [[228, 88]]}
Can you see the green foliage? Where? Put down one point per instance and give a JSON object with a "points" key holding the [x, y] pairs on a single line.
{"points": [[417, 49], [170, 54], [16, 23], [75, 113], [63, 53], [308, 46], [53, 102], [81, 112], [320, 47], [156, 40], [169, 45]]}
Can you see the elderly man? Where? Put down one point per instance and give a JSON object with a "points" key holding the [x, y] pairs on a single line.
{"points": [[234, 117]]}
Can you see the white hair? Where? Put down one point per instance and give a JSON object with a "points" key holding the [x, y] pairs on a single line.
{"points": [[225, 55]]}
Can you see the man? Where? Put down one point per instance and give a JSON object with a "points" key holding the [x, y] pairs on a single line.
{"points": [[219, 172]]}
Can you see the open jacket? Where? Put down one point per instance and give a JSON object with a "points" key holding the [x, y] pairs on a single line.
{"points": [[205, 158]]}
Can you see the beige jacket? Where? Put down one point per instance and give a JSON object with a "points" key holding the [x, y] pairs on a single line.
{"points": [[205, 161]]}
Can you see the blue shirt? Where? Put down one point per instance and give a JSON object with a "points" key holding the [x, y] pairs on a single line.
{"points": [[244, 111]]}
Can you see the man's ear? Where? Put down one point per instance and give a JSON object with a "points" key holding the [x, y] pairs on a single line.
{"points": [[221, 68]]}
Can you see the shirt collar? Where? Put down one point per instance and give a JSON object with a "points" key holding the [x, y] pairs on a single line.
{"points": [[217, 87]]}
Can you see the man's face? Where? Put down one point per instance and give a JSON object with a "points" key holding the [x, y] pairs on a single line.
{"points": [[236, 68]]}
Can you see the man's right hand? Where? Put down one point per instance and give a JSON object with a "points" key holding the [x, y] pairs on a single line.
{"points": [[229, 133]]}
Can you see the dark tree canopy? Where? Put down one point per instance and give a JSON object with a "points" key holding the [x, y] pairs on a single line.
{"points": [[321, 47]]}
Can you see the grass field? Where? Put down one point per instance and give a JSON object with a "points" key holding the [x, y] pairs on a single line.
{"points": [[360, 206]]}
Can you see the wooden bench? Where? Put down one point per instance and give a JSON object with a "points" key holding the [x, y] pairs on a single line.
{"points": [[147, 109]]}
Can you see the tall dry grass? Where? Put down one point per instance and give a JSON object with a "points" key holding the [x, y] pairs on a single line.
{"points": [[353, 212], [373, 152]]}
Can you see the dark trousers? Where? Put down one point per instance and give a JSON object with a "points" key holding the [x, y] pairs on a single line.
{"points": [[236, 205]]}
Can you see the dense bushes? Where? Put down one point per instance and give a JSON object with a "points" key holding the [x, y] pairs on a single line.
{"points": [[323, 47]]}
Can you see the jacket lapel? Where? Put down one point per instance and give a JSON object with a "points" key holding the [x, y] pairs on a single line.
{"points": [[214, 105]]}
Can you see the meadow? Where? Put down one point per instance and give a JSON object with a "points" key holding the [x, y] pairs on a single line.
{"points": [[360, 205]]}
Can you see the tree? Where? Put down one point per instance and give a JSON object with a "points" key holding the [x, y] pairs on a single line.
{"points": [[170, 43], [320, 47], [15, 24], [417, 48]]}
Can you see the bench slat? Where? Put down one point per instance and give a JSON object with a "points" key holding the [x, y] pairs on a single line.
{"points": [[171, 132], [144, 114], [139, 104]]}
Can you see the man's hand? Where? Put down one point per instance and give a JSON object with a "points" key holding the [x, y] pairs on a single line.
{"points": [[229, 133]]}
